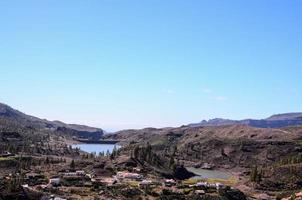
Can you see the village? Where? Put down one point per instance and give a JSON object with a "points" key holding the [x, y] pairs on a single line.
{"points": [[78, 182], [131, 172], [114, 182]]}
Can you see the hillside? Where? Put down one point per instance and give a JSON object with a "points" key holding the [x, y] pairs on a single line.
{"points": [[237, 148], [275, 121], [8, 113], [236, 131]]}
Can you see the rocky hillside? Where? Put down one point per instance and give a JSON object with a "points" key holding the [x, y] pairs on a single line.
{"points": [[237, 148], [277, 153], [275, 121], [8, 113], [230, 145]]}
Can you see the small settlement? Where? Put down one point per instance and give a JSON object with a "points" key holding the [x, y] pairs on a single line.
{"points": [[79, 181]]}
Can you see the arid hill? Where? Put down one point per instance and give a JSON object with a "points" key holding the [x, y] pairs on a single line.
{"points": [[275, 121], [10, 114], [237, 148]]}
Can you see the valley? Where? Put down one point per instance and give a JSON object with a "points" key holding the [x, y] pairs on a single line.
{"points": [[50, 160]]}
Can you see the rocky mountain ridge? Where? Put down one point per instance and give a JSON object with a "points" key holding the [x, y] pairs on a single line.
{"points": [[275, 121]]}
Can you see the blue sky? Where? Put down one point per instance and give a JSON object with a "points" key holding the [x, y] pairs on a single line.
{"points": [[130, 64]]}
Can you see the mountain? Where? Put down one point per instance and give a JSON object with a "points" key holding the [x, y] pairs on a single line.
{"points": [[286, 116], [275, 121], [8, 113]]}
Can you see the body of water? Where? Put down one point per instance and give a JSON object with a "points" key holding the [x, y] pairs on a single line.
{"points": [[205, 173], [95, 148]]}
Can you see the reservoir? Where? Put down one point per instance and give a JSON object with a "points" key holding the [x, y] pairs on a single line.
{"points": [[96, 148], [205, 173]]}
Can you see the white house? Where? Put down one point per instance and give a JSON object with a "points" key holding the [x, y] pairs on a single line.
{"points": [[70, 174], [219, 186], [145, 183], [127, 175], [54, 181], [202, 185], [80, 173], [170, 182]]}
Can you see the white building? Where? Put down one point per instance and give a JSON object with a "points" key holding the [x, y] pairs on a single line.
{"points": [[145, 183], [80, 173], [128, 175], [54, 181], [219, 186], [170, 182]]}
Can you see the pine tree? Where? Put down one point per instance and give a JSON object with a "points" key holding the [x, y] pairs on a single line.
{"points": [[171, 162], [148, 151], [72, 165], [107, 153], [259, 176], [136, 152], [256, 175], [47, 161], [113, 155], [253, 175]]}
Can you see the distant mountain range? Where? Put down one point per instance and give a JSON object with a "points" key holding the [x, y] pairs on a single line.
{"points": [[8, 113], [275, 121], [82, 131]]}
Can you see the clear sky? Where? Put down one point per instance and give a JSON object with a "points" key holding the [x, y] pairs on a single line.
{"points": [[129, 64]]}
